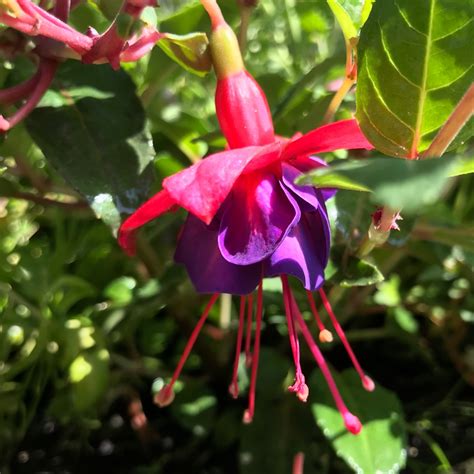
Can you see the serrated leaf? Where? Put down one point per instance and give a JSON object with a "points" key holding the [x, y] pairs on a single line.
{"points": [[189, 51], [381, 445], [100, 144], [399, 184], [414, 66], [351, 15]]}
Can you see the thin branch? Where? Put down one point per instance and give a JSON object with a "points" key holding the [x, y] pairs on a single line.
{"points": [[46, 201]]}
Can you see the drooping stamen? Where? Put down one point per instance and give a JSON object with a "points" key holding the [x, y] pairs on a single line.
{"points": [[298, 463], [249, 412], [166, 395], [234, 385], [367, 382], [324, 334], [299, 387], [351, 422], [248, 331]]}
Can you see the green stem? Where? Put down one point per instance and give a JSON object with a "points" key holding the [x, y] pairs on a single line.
{"points": [[435, 448]]}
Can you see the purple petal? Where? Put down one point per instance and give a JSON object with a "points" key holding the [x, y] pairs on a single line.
{"points": [[258, 215], [308, 163], [308, 199], [304, 252], [210, 273]]}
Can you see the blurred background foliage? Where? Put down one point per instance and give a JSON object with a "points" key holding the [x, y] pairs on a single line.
{"points": [[87, 335]]}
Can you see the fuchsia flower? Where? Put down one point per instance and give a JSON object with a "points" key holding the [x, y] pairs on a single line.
{"points": [[248, 220], [57, 40]]}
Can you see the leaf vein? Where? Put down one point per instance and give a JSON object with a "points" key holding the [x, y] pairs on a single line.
{"points": [[454, 31], [381, 133], [392, 62], [382, 101], [407, 21], [421, 101], [442, 86]]}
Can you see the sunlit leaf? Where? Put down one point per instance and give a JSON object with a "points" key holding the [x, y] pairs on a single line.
{"points": [[400, 184], [190, 51], [414, 67], [381, 445], [351, 15], [100, 144]]}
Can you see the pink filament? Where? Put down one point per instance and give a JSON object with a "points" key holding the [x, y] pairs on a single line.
{"points": [[367, 382], [165, 396], [298, 463], [249, 412], [299, 387], [234, 386], [248, 331], [351, 422], [324, 334]]}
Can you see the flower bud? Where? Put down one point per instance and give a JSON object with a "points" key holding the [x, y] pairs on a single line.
{"points": [[241, 106], [243, 112]]}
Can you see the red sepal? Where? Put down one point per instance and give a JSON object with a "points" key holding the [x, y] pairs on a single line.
{"points": [[202, 188], [151, 209], [342, 135], [243, 112]]}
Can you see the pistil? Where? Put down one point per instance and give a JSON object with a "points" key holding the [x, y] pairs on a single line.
{"points": [[234, 385], [166, 395], [248, 331], [249, 412], [299, 387]]}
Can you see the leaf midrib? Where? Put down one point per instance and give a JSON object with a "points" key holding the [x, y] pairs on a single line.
{"points": [[423, 90]]}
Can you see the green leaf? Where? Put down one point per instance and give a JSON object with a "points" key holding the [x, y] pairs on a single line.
{"points": [[399, 184], [99, 144], [351, 15], [380, 446], [357, 272], [414, 67], [195, 407], [89, 377], [281, 426], [463, 167], [189, 51]]}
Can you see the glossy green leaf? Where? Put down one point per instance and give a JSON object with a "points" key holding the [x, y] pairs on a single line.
{"points": [[399, 184], [414, 67], [381, 445], [351, 15], [189, 51], [99, 144]]}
